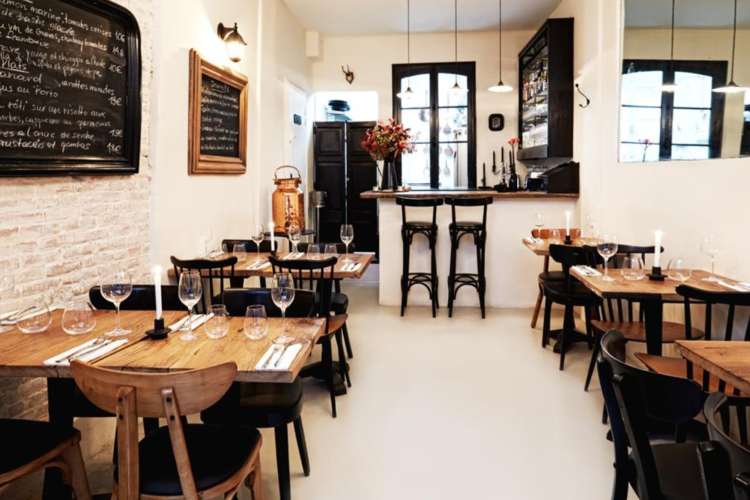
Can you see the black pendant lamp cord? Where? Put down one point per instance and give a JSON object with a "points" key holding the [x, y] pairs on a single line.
{"points": [[408, 31], [455, 28], [734, 40], [500, 38], [671, 54]]}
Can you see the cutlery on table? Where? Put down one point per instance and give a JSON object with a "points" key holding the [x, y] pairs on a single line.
{"points": [[16, 315], [270, 356], [86, 349]]}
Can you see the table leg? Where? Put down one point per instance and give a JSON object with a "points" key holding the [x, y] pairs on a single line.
{"points": [[653, 311], [59, 409]]}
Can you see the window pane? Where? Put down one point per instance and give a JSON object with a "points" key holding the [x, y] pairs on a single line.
{"points": [[691, 126], [418, 120], [693, 90], [454, 159], [453, 124], [446, 81], [420, 86], [534, 134], [642, 88], [415, 167], [690, 152], [639, 152], [639, 124]]}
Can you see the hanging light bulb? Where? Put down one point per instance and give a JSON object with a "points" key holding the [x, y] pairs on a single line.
{"points": [[732, 87], [456, 90], [670, 86], [235, 44], [500, 87], [407, 94]]}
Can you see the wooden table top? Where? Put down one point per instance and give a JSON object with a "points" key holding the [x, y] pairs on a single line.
{"points": [[728, 361], [23, 355], [470, 193], [621, 287]]}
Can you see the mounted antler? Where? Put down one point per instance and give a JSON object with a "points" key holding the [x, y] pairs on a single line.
{"points": [[349, 74]]}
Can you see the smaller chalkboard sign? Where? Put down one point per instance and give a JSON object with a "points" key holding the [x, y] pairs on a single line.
{"points": [[218, 119]]}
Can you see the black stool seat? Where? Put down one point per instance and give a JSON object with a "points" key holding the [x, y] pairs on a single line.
{"points": [[35, 440], [465, 226], [576, 294], [158, 471], [420, 226]]}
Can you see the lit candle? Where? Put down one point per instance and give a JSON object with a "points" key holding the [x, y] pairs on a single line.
{"points": [[156, 270], [271, 229], [568, 214], [657, 244]]}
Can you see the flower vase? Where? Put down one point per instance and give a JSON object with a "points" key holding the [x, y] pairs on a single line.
{"points": [[389, 181]]}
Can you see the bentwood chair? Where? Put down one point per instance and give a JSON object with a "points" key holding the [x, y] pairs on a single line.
{"points": [[30, 446], [712, 301], [267, 405], [317, 276], [726, 458], [180, 460], [636, 400], [214, 272], [546, 274], [624, 315]]}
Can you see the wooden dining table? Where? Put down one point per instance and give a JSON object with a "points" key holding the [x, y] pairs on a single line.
{"points": [[728, 361]]}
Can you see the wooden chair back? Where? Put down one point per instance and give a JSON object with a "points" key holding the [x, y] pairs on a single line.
{"points": [[405, 201], [213, 271], [143, 298], [312, 275], [132, 395], [238, 299], [568, 256], [483, 202]]}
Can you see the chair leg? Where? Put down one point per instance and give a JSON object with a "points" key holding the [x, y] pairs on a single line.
{"points": [[299, 433], [78, 480], [253, 482], [537, 307], [347, 342], [620, 486], [433, 276], [327, 361], [482, 277], [568, 326], [405, 271], [452, 276], [604, 415], [547, 320], [592, 364], [282, 461], [343, 366]]}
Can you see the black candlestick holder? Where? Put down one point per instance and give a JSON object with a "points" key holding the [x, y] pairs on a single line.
{"points": [[656, 274], [159, 332]]}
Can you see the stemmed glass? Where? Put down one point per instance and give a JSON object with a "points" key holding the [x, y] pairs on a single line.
{"points": [[678, 270], [258, 235], [538, 226], [295, 235], [282, 294], [116, 289], [710, 248], [347, 236], [255, 326], [7, 284], [607, 248], [190, 293]]}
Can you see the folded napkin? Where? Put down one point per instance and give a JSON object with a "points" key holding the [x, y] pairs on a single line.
{"points": [[351, 267], [270, 360], [259, 265], [88, 352], [586, 271], [737, 287], [198, 320], [294, 256]]}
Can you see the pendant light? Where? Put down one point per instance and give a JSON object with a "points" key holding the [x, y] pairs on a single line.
{"points": [[670, 85], [500, 87], [456, 89], [408, 93], [732, 87]]}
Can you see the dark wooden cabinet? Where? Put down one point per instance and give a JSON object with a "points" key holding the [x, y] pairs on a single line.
{"points": [[343, 170], [545, 93]]}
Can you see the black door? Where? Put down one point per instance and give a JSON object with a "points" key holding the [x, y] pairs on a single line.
{"points": [[338, 151]]}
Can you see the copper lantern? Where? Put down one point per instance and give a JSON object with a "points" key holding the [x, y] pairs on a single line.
{"points": [[288, 200]]}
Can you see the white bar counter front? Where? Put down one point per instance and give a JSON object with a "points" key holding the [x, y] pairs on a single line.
{"points": [[510, 268]]}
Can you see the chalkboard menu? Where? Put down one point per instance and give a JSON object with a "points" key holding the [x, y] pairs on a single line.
{"points": [[218, 119], [69, 88]]}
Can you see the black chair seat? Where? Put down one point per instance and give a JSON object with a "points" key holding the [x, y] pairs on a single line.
{"points": [[35, 439], [576, 295], [552, 276], [465, 226], [420, 226], [679, 471], [158, 472], [257, 405], [340, 303]]}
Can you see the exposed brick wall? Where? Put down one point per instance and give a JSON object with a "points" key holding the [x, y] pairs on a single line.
{"points": [[58, 234]]}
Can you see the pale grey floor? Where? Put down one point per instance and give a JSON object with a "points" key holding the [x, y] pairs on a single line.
{"points": [[440, 409]]}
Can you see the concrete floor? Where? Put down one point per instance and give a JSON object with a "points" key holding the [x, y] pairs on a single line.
{"points": [[439, 409]]}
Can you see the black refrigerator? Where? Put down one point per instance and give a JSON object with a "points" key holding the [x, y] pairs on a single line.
{"points": [[343, 170]]}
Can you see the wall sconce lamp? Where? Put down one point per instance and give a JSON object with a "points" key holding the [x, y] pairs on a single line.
{"points": [[234, 42]]}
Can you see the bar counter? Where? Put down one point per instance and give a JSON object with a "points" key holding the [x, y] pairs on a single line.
{"points": [[511, 269]]}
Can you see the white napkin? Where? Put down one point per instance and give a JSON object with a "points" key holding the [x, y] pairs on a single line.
{"points": [[294, 256], [178, 324], [198, 320], [259, 265], [586, 271], [202, 318], [274, 363], [352, 266], [61, 359], [737, 287]]}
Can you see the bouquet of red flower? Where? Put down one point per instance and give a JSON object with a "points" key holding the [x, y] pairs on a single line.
{"points": [[386, 141]]}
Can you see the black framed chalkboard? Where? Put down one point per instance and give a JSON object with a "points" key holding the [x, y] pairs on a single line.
{"points": [[70, 88]]}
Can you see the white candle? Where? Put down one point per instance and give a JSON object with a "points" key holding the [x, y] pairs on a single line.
{"points": [[657, 244], [156, 270], [568, 214], [271, 229]]}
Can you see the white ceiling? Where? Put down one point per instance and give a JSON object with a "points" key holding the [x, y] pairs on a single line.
{"points": [[688, 13], [347, 17]]}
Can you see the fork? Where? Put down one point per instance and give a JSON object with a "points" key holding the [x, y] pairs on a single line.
{"points": [[98, 342]]}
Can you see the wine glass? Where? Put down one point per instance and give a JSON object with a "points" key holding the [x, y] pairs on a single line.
{"points": [[258, 235], [538, 227], [190, 293], [218, 326], [313, 252], [7, 285], [678, 270], [710, 248], [282, 293], [607, 248], [347, 236], [239, 250], [116, 288], [295, 235], [255, 326], [632, 268], [331, 249], [78, 318]]}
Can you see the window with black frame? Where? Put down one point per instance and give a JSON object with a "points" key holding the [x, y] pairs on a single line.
{"points": [[685, 124], [442, 123]]}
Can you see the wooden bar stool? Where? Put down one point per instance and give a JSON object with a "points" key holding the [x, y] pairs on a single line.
{"points": [[478, 230], [409, 229]]}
